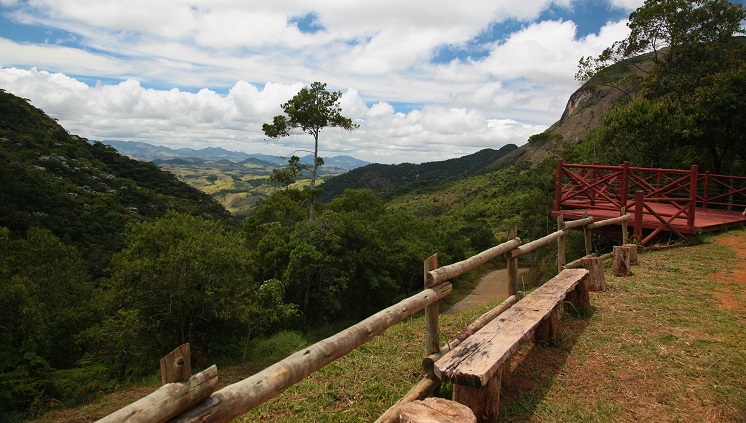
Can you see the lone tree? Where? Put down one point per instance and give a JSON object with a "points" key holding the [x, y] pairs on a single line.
{"points": [[311, 110]]}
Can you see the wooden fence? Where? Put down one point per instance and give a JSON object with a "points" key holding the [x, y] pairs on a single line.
{"points": [[237, 399]]}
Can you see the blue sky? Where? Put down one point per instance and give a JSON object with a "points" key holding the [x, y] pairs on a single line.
{"points": [[426, 80]]}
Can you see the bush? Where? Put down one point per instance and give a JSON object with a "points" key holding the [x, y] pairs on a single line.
{"points": [[275, 347]]}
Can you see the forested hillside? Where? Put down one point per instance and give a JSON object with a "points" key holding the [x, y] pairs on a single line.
{"points": [[390, 180], [84, 194]]}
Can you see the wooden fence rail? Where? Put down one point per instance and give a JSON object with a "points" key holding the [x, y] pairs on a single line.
{"points": [[237, 399]]}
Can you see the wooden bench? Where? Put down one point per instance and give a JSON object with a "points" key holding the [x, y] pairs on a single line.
{"points": [[479, 365]]}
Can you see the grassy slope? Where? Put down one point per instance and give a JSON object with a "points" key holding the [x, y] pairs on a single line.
{"points": [[661, 345]]}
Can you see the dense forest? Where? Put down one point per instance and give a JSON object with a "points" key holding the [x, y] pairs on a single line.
{"points": [[108, 263]]}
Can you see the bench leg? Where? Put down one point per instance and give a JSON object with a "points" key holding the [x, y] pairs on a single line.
{"points": [[579, 298], [484, 401], [547, 329], [505, 379]]}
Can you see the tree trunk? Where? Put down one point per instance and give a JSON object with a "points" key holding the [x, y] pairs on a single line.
{"points": [[312, 185]]}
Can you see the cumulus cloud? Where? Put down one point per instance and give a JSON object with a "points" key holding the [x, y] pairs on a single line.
{"points": [[182, 73], [627, 4], [205, 118]]}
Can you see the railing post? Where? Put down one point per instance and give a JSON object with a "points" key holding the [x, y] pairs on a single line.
{"points": [[558, 185], [594, 176], [432, 327], [512, 266], [694, 176], [625, 233], [561, 260], [706, 192], [624, 184], [639, 199]]}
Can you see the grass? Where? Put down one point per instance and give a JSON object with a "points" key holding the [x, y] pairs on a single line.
{"points": [[665, 344]]}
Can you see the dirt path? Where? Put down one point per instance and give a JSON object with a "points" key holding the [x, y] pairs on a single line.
{"points": [[492, 287], [732, 298]]}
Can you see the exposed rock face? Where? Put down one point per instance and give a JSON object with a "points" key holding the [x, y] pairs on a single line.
{"points": [[576, 99]]}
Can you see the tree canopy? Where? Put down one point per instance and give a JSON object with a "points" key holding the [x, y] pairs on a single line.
{"points": [[691, 89]]}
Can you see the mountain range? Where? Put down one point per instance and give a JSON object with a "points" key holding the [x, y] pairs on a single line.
{"points": [[153, 153]]}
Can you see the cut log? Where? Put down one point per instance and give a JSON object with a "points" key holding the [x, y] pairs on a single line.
{"points": [[436, 410], [425, 387], [596, 278], [632, 253], [621, 261], [168, 401]]}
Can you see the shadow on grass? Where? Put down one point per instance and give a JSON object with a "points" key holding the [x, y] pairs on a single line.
{"points": [[535, 367]]}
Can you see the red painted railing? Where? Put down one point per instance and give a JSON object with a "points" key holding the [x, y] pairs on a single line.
{"points": [[670, 196]]}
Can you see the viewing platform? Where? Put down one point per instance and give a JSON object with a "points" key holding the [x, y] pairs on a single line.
{"points": [[663, 202]]}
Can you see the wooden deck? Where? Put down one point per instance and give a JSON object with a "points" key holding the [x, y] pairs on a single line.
{"points": [[706, 220], [663, 202]]}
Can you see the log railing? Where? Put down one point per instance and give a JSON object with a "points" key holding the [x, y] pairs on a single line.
{"points": [[234, 400]]}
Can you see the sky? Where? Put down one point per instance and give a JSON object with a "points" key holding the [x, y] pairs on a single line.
{"points": [[426, 80]]}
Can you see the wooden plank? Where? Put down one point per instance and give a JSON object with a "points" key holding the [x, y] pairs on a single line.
{"points": [[478, 358], [427, 362]]}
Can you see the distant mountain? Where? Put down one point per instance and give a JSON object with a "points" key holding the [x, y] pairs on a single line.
{"points": [[393, 179], [148, 152]]}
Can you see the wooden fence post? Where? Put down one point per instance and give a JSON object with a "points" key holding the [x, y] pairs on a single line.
{"points": [[625, 229], [621, 261], [512, 266], [177, 365], [596, 278], [561, 260], [587, 237], [693, 182], [432, 339]]}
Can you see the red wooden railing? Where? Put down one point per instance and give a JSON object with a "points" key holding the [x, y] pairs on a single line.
{"points": [[661, 199]]}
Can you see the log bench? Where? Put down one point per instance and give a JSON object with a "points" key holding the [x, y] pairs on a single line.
{"points": [[479, 365]]}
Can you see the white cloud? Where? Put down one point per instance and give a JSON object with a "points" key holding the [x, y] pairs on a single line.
{"points": [[233, 63], [178, 118], [627, 4]]}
